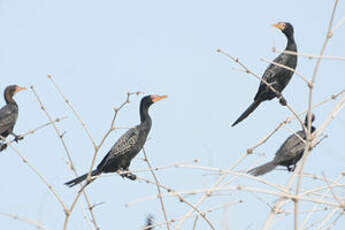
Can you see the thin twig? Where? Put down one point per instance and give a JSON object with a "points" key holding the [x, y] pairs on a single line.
{"points": [[75, 112], [279, 95], [330, 189], [288, 68], [172, 192], [195, 222], [32, 131], [25, 220], [309, 56], [208, 193], [44, 180], [111, 129], [68, 212], [158, 189], [290, 119]]}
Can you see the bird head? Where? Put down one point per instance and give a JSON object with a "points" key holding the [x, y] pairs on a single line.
{"points": [[285, 27], [11, 90], [150, 99]]}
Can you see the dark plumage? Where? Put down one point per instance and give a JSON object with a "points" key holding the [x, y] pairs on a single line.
{"points": [[277, 76], [149, 223], [289, 153], [9, 114], [127, 147]]}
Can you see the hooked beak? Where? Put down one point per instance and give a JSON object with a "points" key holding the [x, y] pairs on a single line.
{"points": [[158, 98], [18, 89], [280, 26]]}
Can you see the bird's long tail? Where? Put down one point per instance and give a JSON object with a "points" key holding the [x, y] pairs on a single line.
{"points": [[265, 168], [78, 180], [248, 111]]}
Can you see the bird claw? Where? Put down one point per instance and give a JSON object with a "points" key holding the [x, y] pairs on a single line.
{"points": [[291, 168], [282, 101], [18, 138], [130, 176], [3, 147]]}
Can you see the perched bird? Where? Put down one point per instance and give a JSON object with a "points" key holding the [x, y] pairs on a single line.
{"points": [[278, 77], [9, 114], [289, 153], [127, 147]]}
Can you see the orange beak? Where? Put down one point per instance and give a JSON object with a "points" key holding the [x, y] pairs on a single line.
{"points": [[18, 89], [280, 26], [158, 98]]}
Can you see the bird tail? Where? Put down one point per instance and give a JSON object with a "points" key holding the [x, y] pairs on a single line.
{"points": [[265, 168], [78, 180], [248, 111]]}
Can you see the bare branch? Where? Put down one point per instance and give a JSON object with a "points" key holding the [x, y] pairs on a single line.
{"points": [[158, 189], [44, 180], [309, 56], [75, 112], [25, 220], [288, 68], [68, 212]]}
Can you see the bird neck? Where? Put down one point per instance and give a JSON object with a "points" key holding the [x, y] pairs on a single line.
{"points": [[312, 128], [291, 44], [144, 114], [9, 98]]}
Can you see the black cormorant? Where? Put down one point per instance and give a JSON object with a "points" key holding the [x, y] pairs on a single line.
{"points": [[289, 153], [127, 147], [9, 114], [278, 77]]}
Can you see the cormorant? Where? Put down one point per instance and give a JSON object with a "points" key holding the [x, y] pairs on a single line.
{"points": [[289, 153], [127, 147], [9, 114], [277, 77]]}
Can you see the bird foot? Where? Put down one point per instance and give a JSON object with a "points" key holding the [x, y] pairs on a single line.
{"points": [[291, 168], [126, 173], [282, 101], [18, 138], [130, 176], [3, 147]]}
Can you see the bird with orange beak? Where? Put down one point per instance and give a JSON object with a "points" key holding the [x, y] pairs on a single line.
{"points": [[275, 75], [9, 114], [127, 147]]}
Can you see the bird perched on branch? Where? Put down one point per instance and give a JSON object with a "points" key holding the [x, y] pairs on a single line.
{"points": [[9, 114], [127, 147], [276, 76], [289, 153]]}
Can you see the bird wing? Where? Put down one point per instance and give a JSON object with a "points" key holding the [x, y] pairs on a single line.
{"points": [[268, 77], [124, 145], [271, 76], [126, 142], [291, 148], [8, 118]]}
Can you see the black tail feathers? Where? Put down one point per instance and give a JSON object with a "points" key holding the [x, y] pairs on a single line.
{"points": [[78, 180], [262, 169], [248, 111]]}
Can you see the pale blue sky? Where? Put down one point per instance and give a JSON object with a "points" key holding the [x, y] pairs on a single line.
{"points": [[99, 50]]}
